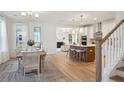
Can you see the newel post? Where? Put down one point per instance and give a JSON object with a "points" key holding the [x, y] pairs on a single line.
{"points": [[98, 55]]}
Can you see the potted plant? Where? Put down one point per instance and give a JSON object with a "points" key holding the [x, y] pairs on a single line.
{"points": [[30, 43]]}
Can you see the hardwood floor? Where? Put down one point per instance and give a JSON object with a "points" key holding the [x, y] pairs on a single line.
{"points": [[73, 71], [58, 68]]}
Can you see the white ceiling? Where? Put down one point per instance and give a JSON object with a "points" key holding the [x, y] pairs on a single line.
{"points": [[63, 17]]}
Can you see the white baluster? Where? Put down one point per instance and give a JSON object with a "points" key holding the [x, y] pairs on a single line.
{"points": [[123, 38], [107, 56], [103, 59], [114, 47], [108, 53], [117, 39]]}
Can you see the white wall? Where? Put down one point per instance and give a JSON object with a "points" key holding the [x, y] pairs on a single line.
{"points": [[11, 37], [119, 16], [48, 35], [90, 33], [107, 26]]}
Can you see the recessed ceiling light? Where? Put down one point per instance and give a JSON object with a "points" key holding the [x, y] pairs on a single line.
{"points": [[36, 15], [95, 19], [23, 13]]}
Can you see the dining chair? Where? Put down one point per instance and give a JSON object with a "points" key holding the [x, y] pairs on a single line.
{"points": [[31, 62], [19, 57]]}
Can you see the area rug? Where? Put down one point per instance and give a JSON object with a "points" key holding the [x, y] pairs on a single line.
{"points": [[9, 73]]}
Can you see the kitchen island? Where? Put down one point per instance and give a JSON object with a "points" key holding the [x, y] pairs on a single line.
{"points": [[82, 52]]}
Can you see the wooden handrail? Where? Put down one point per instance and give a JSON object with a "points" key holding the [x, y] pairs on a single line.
{"points": [[112, 31]]}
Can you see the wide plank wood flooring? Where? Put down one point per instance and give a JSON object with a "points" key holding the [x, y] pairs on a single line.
{"points": [[74, 71], [58, 68]]}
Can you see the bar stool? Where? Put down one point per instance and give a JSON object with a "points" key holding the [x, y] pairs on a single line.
{"points": [[72, 53], [81, 55], [77, 54]]}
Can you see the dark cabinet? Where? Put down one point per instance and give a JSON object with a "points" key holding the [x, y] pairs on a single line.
{"points": [[90, 52]]}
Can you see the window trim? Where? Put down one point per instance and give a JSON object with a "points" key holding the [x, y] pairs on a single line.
{"points": [[40, 34]]}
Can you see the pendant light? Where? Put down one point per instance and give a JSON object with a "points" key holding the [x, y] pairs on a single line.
{"points": [[73, 29], [81, 23], [30, 13]]}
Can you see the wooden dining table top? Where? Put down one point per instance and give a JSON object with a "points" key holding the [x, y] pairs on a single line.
{"points": [[39, 51]]}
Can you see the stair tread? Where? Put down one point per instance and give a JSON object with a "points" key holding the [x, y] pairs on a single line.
{"points": [[121, 68], [117, 78]]}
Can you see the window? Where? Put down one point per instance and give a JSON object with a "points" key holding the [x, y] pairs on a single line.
{"points": [[70, 38], [4, 51], [37, 37], [0, 36], [20, 35]]}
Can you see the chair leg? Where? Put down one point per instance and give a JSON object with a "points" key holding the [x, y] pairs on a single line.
{"points": [[38, 74], [42, 71], [23, 71], [79, 57], [42, 67], [84, 59], [19, 64], [23, 74]]}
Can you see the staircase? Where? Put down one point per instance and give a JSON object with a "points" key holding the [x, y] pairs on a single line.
{"points": [[119, 75], [110, 54], [117, 78]]}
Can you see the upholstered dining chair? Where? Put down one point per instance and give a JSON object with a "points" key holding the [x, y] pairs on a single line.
{"points": [[19, 57], [31, 62]]}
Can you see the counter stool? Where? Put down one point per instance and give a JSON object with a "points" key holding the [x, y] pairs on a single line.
{"points": [[81, 55], [72, 53], [77, 54]]}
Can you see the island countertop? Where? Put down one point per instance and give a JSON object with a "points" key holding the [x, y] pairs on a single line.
{"points": [[90, 45]]}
